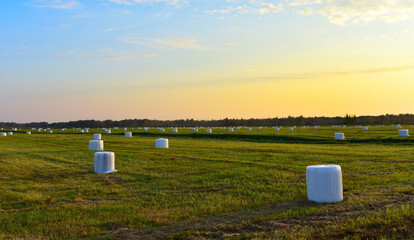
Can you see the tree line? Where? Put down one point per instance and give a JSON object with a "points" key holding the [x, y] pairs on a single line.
{"points": [[283, 121]]}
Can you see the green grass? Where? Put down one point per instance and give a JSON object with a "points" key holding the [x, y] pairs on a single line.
{"points": [[246, 184]]}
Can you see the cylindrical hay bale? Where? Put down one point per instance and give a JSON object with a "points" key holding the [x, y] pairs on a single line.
{"points": [[339, 136], [208, 130], [195, 129], [161, 143], [231, 130], [96, 145], [128, 134], [324, 183], [86, 130], [97, 136], [10, 133], [28, 133], [108, 131], [249, 129], [50, 131], [3, 134], [403, 133], [104, 162], [175, 130], [82, 131], [291, 129], [365, 128], [276, 129]]}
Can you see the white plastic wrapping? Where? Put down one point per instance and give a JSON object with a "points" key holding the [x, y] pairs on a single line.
{"points": [[403, 133], [96, 145], [97, 136], [104, 162], [10, 133], [231, 130], [3, 134], [161, 143], [339, 136], [28, 133], [128, 134], [208, 130], [175, 130], [324, 183]]}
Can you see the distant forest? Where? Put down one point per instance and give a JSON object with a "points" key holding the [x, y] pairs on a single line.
{"points": [[286, 121]]}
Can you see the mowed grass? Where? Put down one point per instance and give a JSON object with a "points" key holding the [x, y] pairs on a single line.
{"points": [[246, 184]]}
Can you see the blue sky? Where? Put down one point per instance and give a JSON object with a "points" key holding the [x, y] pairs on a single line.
{"points": [[76, 59]]}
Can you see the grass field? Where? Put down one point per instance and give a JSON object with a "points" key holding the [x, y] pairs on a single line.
{"points": [[241, 185]]}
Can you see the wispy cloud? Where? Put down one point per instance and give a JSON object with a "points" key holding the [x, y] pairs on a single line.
{"points": [[56, 4], [133, 2], [21, 48], [163, 43], [256, 8], [118, 57], [339, 12], [107, 57], [342, 73]]}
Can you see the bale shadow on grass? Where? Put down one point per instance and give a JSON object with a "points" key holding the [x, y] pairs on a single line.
{"points": [[279, 138]]}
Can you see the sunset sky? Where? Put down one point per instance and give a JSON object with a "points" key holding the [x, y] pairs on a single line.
{"points": [[64, 60]]}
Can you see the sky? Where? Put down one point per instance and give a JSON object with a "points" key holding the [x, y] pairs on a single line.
{"points": [[63, 60]]}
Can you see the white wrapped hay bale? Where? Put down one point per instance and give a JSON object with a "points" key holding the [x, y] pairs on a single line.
{"points": [[161, 143], [50, 131], [403, 133], [108, 131], [175, 130], [324, 183], [97, 136], [231, 130], [96, 145], [249, 129], [291, 129], [276, 129], [339, 136], [208, 130], [10, 133], [104, 162], [3, 134], [195, 129], [365, 128], [86, 130], [82, 131], [128, 134], [28, 133]]}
